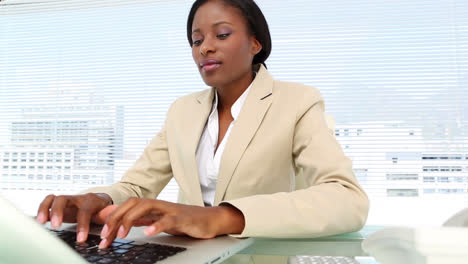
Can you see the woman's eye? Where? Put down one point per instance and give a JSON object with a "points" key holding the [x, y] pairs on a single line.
{"points": [[197, 42], [223, 36]]}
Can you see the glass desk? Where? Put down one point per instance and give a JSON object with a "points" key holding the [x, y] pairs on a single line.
{"points": [[348, 244]]}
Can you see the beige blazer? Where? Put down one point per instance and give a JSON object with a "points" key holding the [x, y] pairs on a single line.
{"points": [[281, 166]]}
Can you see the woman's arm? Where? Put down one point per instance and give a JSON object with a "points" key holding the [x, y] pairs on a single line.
{"points": [[147, 177], [172, 218], [333, 201]]}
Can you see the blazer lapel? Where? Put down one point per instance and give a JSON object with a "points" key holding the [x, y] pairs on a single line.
{"points": [[256, 105], [195, 121]]}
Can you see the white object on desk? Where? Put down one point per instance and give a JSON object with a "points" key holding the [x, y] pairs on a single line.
{"points": [[436, 245], [459, 219]]}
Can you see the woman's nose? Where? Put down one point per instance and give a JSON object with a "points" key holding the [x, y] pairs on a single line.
{"points": [[207, 47]]}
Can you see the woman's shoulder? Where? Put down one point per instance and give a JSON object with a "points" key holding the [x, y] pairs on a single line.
{"points": [[299, 91], [191, 98], [195, 96]]}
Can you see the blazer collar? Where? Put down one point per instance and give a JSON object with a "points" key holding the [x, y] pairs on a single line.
{"points": [[192, 123], [251, 115]]}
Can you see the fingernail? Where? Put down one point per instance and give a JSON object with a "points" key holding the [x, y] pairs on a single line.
{"points": [[81, 237], [41, 218], [121, 232], [103, 243], [55, 222], [104, 231], [150, 230]]}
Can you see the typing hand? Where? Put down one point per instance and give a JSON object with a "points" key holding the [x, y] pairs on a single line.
{"points": [[81, 209], [176, 219]]}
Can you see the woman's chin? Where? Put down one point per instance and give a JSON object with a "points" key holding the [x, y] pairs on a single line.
{"points": [[210, 82]]}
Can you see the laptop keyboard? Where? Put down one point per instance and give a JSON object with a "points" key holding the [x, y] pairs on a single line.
{"points": [[121, 250]]}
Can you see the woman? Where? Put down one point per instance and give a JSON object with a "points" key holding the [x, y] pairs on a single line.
{"points": [[267, 164]]}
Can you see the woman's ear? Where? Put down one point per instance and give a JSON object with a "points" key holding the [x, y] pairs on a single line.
{"points": [[256, 47]]}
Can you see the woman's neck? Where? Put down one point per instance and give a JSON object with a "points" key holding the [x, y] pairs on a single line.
{"points": [[228, 94]]}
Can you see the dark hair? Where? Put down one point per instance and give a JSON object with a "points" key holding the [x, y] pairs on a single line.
{"points": [[255, 20]]}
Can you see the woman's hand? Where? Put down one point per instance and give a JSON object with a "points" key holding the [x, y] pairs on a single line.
{"points": [[172, 218], [81, 209]]}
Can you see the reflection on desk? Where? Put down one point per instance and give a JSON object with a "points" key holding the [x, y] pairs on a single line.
{"points": [[348, 244]]}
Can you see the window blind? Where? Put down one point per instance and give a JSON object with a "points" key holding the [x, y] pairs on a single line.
{"points": [[86, 84]]}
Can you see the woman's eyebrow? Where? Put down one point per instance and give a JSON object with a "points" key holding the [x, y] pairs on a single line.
{"points": [[214, 25]]}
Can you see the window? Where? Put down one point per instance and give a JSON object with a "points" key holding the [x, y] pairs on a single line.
{"points": [[402, 177], [363, 56], [459, 179], [444, 168], [443, 179], [430, 168], [429, 191], [429, 179], [451, 191], [402, 192]]}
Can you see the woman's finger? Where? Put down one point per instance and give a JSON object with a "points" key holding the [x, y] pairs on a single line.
{"points": [[142, 212], [56, 211], [112, 223], [101, 216], [107, 241], [148, 219], [84, 220], [166, 223], [43, 211]]}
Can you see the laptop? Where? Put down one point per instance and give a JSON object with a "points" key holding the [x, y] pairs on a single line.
{"points": [[23, 240]]}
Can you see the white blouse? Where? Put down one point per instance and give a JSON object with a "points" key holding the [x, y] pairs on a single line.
{"points": [[207, 160]]}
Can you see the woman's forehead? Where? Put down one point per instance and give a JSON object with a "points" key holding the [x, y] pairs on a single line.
{"points": [[214, 12]]}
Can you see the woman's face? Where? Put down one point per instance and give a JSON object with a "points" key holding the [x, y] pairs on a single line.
{"points": [[223, 48]]}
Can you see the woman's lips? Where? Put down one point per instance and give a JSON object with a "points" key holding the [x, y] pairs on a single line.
{"points": [[210, 65]]}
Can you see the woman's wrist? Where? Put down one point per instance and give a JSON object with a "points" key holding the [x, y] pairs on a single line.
{"points": [[230, 220]]}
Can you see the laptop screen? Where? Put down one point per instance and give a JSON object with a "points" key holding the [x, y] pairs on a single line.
{"points": [[23, 240]]}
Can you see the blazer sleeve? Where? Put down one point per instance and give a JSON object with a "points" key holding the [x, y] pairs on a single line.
{"points": [[147, 177], [333, 203]]}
